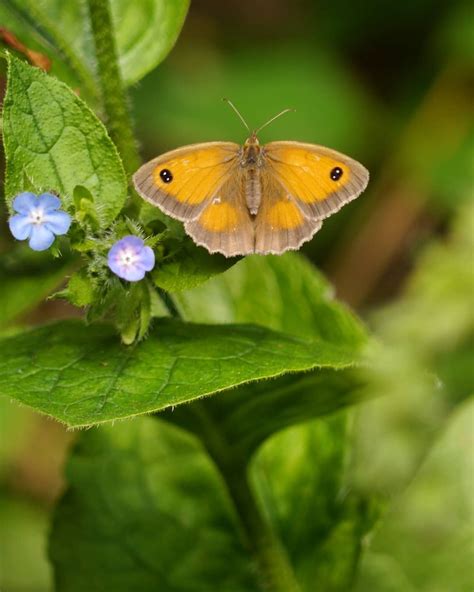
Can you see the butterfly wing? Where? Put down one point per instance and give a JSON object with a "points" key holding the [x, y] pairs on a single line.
{"points": [[201, 185], [183, 181], [281, 224], [320, 180], [224, 224]]}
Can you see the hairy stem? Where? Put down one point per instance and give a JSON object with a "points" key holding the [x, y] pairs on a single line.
{"points": [[276, 573], [114, 97]]}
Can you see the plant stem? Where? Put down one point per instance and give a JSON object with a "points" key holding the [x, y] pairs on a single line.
{"points": [[114, 97], [275, 570]]}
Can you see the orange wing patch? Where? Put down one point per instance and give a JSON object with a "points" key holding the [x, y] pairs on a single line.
{"points": [[220, 217], [284, 215], [192, 177], [319, 179], [183, 181], [312, 177]]}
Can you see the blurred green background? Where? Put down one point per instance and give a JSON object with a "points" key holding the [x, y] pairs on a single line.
{"points": [[390, 84]]}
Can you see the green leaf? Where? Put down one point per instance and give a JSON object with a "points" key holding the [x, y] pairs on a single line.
{"points": [[25, 281], [147, 511], [146, 497], [252, 412], [95, 379], [301, 480], [146, 30], [283, 293], [190, 267], [48, 27], [55, 143], [80, 290]]}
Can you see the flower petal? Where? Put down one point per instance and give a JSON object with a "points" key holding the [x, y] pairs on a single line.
{"points": [[24, 202], [20, 226], [57, 221], [131, 241], [147, 258], [41, 238], [49, 202], [133, 273]]}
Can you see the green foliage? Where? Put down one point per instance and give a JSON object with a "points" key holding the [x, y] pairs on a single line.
{"points": [[25, 283], [266, 482], [95, 379], [161, 498], [144, 32], [53, 142]]}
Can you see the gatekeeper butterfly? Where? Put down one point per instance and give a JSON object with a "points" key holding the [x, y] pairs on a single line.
{"points": [[239, 200]]}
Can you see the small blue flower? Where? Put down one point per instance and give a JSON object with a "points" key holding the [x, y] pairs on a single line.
{"points": [[39, 219], [130, 259]]}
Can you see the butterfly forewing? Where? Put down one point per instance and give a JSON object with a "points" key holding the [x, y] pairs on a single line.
{"points": [[183, 181], [320, 179]]}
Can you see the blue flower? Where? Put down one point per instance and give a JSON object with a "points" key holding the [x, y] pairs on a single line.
{"points": [[39, 219], [130, 259]]}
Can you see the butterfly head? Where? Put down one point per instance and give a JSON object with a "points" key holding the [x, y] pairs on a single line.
{"points": [[252, 140]]}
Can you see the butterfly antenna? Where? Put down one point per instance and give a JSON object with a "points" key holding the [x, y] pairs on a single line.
{"points": [[238, 113], [273, 119]]}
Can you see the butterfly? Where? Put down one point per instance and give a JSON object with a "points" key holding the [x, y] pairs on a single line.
{"points": [[239, 200]]}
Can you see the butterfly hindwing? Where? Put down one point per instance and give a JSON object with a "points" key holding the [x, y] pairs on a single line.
{"points": [[281, 224], [224, 224]]}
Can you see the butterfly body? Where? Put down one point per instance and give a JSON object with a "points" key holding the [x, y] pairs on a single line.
{"points": [[239, 200]]}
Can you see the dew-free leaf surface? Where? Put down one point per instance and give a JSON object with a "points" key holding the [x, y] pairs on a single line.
{"points": [[53, 142], [82, 375]]}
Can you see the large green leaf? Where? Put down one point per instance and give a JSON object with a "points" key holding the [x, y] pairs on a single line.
{"points": [[146, 510], [53, 142], [283, 293], [146, 30], [146, 497], [300, 476], [286, 293], [82, 375]]}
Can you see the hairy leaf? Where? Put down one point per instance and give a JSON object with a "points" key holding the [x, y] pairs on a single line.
{"points": [[53, 142], [85, 376], [284, 293]]}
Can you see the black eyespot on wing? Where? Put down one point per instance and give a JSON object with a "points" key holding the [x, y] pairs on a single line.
{"points": [[166, 176], [336, 173]]}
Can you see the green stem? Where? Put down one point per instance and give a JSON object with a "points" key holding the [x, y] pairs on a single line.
{"points": [[169, 303], [114, 97], [275, 570]]}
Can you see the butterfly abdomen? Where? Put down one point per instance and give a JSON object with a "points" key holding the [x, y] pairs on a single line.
{"points": [[251, 164], [252, 189]]}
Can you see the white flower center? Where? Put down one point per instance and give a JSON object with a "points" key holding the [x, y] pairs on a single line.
{"points": [[128, 257], [37, 216]]}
